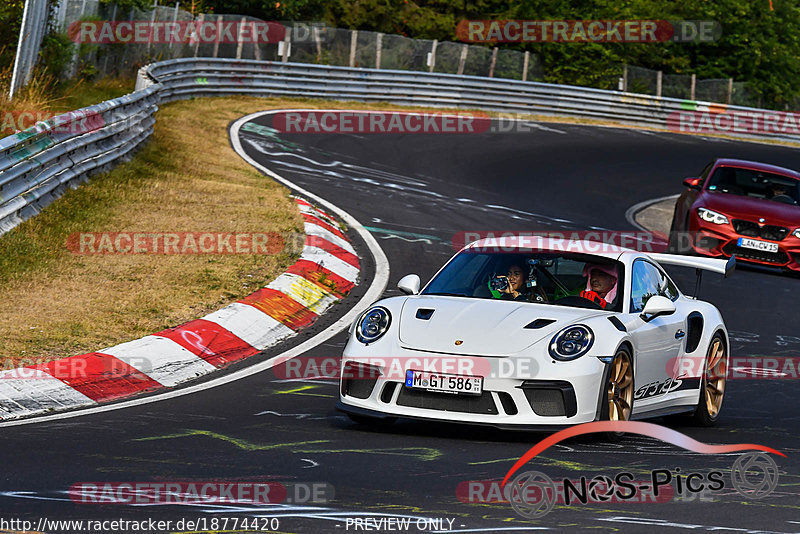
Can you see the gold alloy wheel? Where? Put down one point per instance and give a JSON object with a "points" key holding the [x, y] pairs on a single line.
{"points": [[620, 388], [716, 371]]}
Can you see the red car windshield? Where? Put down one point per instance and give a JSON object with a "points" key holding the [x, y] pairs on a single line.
{"points": [[756, 184]]}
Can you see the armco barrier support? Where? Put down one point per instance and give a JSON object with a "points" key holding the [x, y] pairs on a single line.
{"points": [[38, 164]]}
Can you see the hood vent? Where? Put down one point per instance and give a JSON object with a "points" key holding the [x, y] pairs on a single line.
{"points": [[425, 313], [539, 323]]}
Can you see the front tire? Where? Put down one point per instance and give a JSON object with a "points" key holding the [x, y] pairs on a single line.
{"points": [[712, 383], [618, 399]]}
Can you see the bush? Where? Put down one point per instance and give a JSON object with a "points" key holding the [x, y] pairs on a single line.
{"points": [[56, 54]]}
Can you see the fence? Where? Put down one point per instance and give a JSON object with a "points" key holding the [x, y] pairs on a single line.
{"points": [[321, 44], [654, 82]]}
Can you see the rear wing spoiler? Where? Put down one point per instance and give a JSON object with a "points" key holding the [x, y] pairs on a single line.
{"points": [[724, 267]]}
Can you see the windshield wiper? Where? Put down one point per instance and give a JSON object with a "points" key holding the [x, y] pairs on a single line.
{"points": [[448, 294]]}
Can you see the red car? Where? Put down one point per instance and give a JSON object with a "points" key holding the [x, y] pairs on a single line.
{"points": [[744, 208]]}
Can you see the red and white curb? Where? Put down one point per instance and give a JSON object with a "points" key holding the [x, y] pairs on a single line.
{"points": [[327, 270]]}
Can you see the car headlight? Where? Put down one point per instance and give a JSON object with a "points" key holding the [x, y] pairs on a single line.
{"points": [[372, 324], [572, 342], [796, 233], [712, 216]]}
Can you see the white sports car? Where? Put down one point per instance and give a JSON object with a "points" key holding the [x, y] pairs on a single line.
{"points": [[513, 334]]}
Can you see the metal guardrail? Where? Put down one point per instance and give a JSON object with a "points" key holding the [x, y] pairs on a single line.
{"points": [[38, 164], [192, 77]]}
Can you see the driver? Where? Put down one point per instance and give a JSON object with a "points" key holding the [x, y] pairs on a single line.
{"points": [[601, 284], [779, 192]]}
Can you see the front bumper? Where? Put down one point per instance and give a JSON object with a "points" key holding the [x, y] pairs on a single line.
{"points": [[721, 240], [550, 395]]}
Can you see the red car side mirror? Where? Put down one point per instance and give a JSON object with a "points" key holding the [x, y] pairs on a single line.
{"points": [[692, 183]]}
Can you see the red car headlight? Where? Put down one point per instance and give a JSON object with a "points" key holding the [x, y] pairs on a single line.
{"points": [[712, 216]]}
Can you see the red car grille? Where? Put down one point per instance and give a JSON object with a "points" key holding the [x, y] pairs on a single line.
{"points": [[751, 229]]}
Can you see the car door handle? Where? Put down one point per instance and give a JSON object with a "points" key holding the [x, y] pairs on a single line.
{"points": [[679, 334]]}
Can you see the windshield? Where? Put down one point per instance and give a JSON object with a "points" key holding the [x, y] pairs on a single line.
{"points": [[756, 184], [563, 279]]}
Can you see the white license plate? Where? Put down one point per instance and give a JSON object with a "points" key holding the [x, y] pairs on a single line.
{"points": [[755, 244], [444, 383]]}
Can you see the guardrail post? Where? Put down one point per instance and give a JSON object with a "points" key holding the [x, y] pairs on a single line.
{"points": [[287, 43], [113, 20], [317, 41], [730, 90], [239, 39], [353, 42], [694, 84], [432, 56], [152, 20], [625, 77], [256, 48], [216, 41], [197, 26], [378, 47], [658, 83], [174, 20], [463, 60], [525, 61], [494, 61]]}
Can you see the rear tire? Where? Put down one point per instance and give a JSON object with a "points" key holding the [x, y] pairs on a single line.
{"points": [[712, 383]]}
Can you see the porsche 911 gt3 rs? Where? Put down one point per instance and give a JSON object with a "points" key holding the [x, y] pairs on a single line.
{"points": [[514, 334]]}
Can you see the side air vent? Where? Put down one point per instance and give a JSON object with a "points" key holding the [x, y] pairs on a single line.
{"points": [[617, 323], [425, 313], [539, 323], [695, 328]]}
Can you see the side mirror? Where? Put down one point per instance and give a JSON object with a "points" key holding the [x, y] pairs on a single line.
{"points": [[656, 307], [409, 284], [692, 183]]}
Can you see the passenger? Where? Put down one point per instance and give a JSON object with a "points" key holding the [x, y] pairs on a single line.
{"points": [[601, 284], [517, 289]]}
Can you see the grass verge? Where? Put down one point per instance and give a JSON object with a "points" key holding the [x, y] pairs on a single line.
{"points": [[187, 178]]}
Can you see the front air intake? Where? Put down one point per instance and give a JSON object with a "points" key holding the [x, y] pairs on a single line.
{"points": [[550, 398], [358, 379]]}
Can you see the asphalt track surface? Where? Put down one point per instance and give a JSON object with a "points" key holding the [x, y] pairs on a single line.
{"points": [[416, 192]]}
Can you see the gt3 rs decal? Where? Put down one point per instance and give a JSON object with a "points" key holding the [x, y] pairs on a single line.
{"points": [[657, 388], [667, 386]]}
